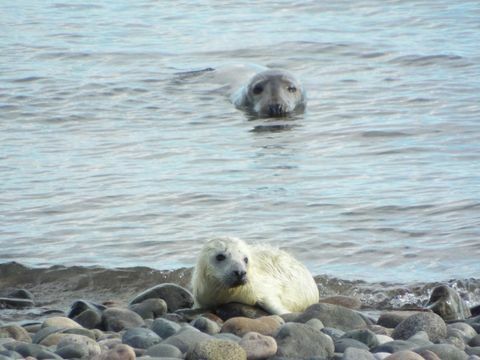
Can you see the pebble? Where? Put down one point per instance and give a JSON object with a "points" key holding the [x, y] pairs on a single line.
{"points": [[15, 332], [334, 316], [357, 354], [117, 319], [119, 352], [206, 325], [344, 343], [186, 339], [164, 350], [165, 328], [175, 296], [215, 349], [150, 308], [228, 311], [390, 319], [301, 340], [431, 323], [404, 355], [444, 351], [61, 322], [141, 338], [258, 346], [265, 325]]}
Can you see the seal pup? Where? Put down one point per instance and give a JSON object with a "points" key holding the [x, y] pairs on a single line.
{"points": [[229, 270], [271, 92]]}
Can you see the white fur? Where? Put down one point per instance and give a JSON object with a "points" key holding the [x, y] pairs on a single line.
{"points": [[275, 280]]}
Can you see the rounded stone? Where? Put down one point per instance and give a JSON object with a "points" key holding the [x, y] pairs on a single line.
{"points": [[141, 338], [391, 319], [467, 332], [428, 355], [444, 351], [206, 325], [217, 350], [265, 325], [118, 352], [150, 308], [15, 332], [475, 341], [186, 339], [404, 355], [61, 322], [344, 343], [164, 350], [117, 319], [365, 336], [394, 346], [335, 334], [175, 296], [431, 323], [90, 346], [258, 346], [334, 316], [165, 328], [357, 354], [300, 340], [73, 351]]}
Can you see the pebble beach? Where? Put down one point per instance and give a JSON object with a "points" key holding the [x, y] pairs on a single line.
{"points": [[110, 315]]}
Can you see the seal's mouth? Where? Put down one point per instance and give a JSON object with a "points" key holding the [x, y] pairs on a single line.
{"points": [[238, 282], [277, 110]]}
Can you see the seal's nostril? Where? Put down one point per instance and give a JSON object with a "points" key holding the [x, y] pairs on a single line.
{"points": [[275, 109], [239, 274]]}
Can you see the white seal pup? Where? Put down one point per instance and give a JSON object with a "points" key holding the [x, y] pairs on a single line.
{"points": [[271, 93], [229, 270]]}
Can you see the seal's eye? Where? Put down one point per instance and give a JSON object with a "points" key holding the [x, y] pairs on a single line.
{"points": [[220, 257], [245, 260], [292, 89], [257, 89]]}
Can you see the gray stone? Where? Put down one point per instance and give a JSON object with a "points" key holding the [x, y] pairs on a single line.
{"points": [[447, 303], [15, 303], [335, 334], [334, 316], [300, 340], [431, 323], [463, 329], [343, 343], [420, 338], [475, 341], [365, 336], [89, 345], [73, 351], [228, 336], [141, 338], [34, 350], [164, 350], [186, 339], [206, 325], [394, 346], [165, 328], [117, 319], [150, 308], [175, 296], [215, 349], [444, 351], [357, 354], [9, 355], [15, 332], [391, 319]]}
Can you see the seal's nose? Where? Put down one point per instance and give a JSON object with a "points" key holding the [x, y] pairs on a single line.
{"points": [[276, 109], [240, 274]]}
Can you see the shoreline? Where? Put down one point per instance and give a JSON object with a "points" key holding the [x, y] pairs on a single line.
{"points": [[56, 287]]}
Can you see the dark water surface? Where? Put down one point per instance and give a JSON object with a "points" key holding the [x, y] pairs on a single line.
{"points": [[108, 157]]}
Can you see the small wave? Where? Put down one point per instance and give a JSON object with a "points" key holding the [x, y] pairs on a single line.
{"points": [[428, 60], [121, 284]]}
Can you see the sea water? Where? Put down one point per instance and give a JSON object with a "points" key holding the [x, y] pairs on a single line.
{"points": [[110, 157]]}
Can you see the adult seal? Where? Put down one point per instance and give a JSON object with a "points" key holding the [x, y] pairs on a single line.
{"points": [[271, 92], [230, 270]]}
